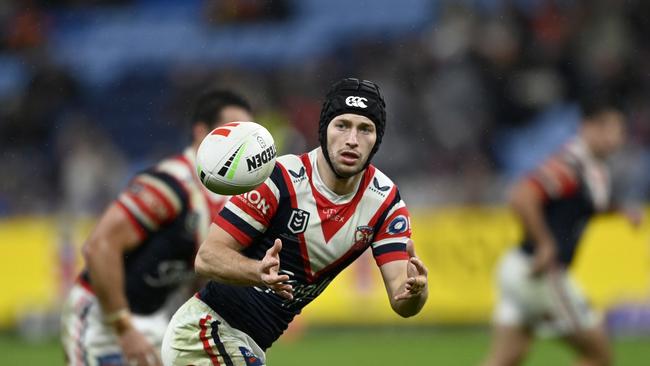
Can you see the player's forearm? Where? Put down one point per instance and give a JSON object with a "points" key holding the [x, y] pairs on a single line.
{"points": [[226, 265], [105, 267]]}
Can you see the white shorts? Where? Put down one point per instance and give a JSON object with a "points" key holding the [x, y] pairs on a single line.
{"points": [[198, 336], [552, 305], [88, 341]]}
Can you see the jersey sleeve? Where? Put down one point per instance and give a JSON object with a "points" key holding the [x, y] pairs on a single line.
{"points": [[248, 215], [554, 179], [389, 243], [152, 200]]}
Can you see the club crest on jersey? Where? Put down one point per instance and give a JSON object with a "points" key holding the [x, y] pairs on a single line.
{"points": [[399, 225], [298, 221], [362, 236]]}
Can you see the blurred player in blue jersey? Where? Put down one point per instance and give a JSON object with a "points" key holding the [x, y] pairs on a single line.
{"points": [[554, 204], [143, 249], [276, 248]]}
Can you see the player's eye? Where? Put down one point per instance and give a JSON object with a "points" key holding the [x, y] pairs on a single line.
{"points": [[366, 130]]}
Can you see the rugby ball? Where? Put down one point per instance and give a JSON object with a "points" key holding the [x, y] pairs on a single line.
{"points": [[235, 158]]}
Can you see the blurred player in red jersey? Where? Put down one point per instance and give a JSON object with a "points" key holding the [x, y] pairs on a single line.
{"points": [[275, 249], [142, 250], [554, 205]]}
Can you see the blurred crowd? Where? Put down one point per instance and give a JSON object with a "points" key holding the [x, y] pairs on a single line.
{"points": [[474, 99]]}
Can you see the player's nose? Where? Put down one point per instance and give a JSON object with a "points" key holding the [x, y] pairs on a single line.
{"points": [[351, 139]]}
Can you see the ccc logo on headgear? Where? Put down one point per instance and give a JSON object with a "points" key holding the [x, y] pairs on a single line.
{"points": [[353, 101]]}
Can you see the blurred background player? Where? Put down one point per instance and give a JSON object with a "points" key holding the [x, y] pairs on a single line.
{"points": [[322, 210], [143, 249], [554, 204]]}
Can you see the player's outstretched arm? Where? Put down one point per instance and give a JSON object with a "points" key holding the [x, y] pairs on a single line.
{"points": [[104, 253], [220, 259], [406, 283]]}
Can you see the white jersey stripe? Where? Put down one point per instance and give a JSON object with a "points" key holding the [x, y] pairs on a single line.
{"points": [[142, 217], [164, 189]]}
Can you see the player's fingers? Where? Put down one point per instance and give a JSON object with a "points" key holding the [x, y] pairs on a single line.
{"points": [[403, 296], [285, 294], [152, 359], [283, 287], [268, 263], [419, 265], [416, 281], [141, 359], [270, 279], [157, 361], [276, 248]]}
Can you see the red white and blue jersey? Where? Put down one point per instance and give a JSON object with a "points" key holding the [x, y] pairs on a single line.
{"points": [[575, 186], [321, 233], [171, 211]]}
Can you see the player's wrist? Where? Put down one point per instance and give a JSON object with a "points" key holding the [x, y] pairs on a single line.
{"points": [[119, 320]]}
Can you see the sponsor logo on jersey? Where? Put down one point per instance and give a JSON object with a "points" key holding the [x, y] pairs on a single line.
{"points": [[114, 359], [299, 176], [249, 357], [228, 169], [305, 293], [256, 161], [298, 221], [400, 224], [378, 188], [375, 183], [255, 199], [362, 236], [354, 101], [169, 273]]}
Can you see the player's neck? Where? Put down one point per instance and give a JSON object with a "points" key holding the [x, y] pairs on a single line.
{"points": [[340, 186], [195, 146]]}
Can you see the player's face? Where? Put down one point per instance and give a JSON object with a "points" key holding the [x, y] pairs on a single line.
{"points": [[233, 114], [350, 139], [611, 132]]}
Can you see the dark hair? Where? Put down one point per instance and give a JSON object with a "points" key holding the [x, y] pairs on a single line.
{"points": [[209, 105], [598, 102]]}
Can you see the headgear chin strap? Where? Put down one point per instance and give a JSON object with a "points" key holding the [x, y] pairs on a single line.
{"points": [[355, 96]]}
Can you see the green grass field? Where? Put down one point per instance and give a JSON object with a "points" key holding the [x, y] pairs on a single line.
{"points": [[367, 347]]}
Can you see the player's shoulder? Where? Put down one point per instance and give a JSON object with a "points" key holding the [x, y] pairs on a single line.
{"points": [[179, 167], [380, 185], [171, 175], [289, 171], [291, 162]]}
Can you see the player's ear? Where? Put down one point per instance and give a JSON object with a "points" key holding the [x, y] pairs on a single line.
{"points": [[199, 131]]}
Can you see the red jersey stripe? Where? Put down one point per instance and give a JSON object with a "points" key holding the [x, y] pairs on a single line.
{"points": [[206, 342], [169, 208], [233, 230], [142, 234]]}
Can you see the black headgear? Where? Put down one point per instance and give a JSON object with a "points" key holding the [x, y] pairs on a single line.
{"points": [[353, 96]]}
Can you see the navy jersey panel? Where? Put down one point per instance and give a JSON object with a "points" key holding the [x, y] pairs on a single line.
{"points": [[575, 187]]}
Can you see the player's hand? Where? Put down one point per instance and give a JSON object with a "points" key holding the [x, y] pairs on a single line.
{"points": [[137, 350], [544, 259], [416, 272], [634, 215], [269, 267]]}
